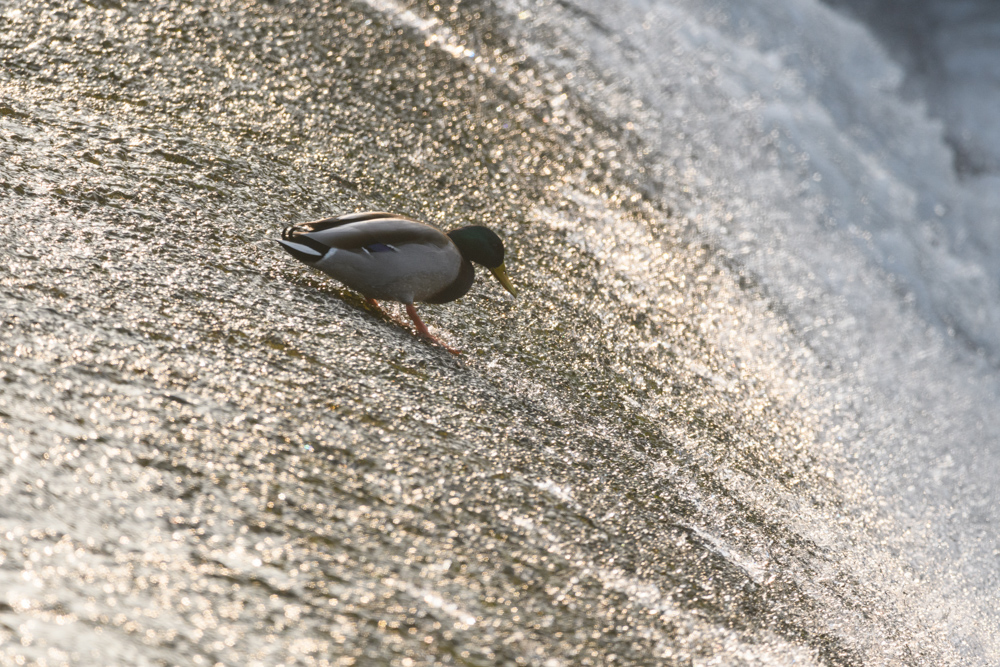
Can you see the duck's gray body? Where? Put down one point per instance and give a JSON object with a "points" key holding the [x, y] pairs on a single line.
{"points": [[383, 256], [389, 257]]}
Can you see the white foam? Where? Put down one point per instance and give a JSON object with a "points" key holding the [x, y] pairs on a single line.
{"points": [[784, 130]]}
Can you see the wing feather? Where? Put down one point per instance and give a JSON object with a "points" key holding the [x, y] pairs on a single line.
{"points": [[337, 221], [355, 235]]}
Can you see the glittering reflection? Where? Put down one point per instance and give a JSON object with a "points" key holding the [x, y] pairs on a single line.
{"points": [[212, 456]]}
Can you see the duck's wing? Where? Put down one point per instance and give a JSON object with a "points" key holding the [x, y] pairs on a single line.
{"points": [[336, 221], [374, 234]]}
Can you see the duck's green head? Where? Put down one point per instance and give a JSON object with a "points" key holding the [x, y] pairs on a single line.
{"points": [[481, 245]]}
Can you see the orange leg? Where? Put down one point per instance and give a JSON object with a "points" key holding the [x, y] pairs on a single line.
{"points": [[422, 328]]}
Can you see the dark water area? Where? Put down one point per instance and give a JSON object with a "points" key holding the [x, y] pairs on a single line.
{"points": [[948, 51], [212, 456]]}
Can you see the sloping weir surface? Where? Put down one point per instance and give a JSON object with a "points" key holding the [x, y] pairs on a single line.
{"points": [[742, 412]]}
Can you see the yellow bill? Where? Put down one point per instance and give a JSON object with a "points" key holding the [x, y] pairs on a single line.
{"points": [[501, 274]]}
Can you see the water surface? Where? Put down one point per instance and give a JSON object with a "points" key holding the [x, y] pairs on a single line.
{"points": [[661, 453]]}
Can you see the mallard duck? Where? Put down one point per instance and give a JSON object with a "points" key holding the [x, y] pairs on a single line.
{"points": [[386, 256]]}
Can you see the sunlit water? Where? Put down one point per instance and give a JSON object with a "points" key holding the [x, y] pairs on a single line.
{"points": [[742, 412]]}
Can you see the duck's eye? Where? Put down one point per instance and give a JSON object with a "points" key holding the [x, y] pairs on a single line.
{"points": [[380, 247]]}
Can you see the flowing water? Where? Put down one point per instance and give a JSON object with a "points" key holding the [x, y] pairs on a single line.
{"points": [[742, 412]]}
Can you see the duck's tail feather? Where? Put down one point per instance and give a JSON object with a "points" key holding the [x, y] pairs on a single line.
{"points": [[304, 249]]}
